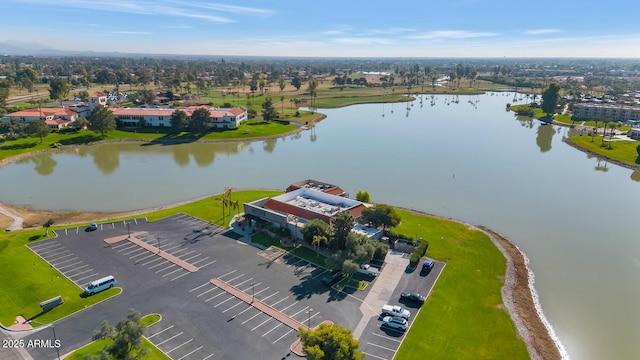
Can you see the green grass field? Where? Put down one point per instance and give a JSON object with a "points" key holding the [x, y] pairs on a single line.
{"points": [[624, 151], [463, 318]]}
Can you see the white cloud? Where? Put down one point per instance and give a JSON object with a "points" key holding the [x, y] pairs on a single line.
{"points": [[542, 31], [451, 34]]}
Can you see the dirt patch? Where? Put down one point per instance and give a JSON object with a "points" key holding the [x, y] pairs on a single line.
{"points": [[5, 221]]}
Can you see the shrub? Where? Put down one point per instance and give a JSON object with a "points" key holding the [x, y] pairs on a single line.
{"points": [[381, 250]]}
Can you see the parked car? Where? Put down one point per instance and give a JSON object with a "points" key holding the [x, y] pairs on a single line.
{"points": [[332, 278], [427, 265], [395, 310], [368, 270], [395, 322], [413, 297], [93, 226]]}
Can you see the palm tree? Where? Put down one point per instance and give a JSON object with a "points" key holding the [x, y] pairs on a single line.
{"points": [[317, 241], [47, 225]]}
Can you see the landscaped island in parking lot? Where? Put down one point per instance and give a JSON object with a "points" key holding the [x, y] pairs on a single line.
{"points": [[481, 306]]}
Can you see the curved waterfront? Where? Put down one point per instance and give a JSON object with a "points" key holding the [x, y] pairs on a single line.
{"points": [[464, 158]]}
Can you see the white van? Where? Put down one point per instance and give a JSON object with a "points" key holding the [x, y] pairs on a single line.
{"points": [[99, 285]]}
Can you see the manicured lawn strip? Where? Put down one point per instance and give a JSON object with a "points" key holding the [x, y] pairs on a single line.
{"points": [[463, 318], [95, 348], [624, 151], [350, 282], [299, 250], [150, 319], [26, 280]]}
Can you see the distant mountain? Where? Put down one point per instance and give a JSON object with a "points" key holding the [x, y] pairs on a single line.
{"points": [[24, 48]]}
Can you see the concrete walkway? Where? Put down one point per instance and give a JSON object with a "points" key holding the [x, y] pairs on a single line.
{"points": [[382, 289], [174, 259]]}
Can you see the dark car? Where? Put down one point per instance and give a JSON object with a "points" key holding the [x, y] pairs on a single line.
{"points": [[427, 266], [408, 296], [92, 227], [332, 278]]}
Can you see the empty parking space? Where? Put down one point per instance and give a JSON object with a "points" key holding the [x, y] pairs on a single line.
{"points": [[60, 256], [177, 343]]}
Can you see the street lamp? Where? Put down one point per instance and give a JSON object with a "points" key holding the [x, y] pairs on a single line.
{"points": [[128, 230], [158, 237], [53, 330], [309, 319]]}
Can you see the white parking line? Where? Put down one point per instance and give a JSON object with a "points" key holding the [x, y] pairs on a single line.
{"points": [[195, 256], [382, 347], [387, 337], [36, 247], [62, 262], [190, 353], [87, 277], [135, 250], [285, 298], [171, 338], [50, 250], [262, 323], [168, 267], [126, 248], [66, 266], [322, 273], [161, 331], [241, 302], [80, 273], [243, 311], [179, 346], [235, 278], [211, 298], [145, 252], [294, 264], [208, 291], [273, 328], [203, 259], [174, 271], [158, 264], [152, 261], [179, 251], [229, 273], [281, 337], [246, 321], [118, 246], [290, 306], [305, 308], [198, 287], [375, 356], [224, 301], [207, 264], [59, 255], [167, 249], [146, 257], [238, 285], [208, 357], [267, 296], [179, 276]]}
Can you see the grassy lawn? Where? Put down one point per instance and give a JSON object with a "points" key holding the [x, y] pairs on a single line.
{"points": [[95, 347], [300, 251], [350, 282], [624, 151], [463, 318], [26, 280]]}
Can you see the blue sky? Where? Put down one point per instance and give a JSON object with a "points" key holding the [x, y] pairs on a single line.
{"points": [[347, 28]]}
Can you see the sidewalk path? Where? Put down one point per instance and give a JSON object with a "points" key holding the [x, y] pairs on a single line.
{"points": [[382, 290], [17, 219]]}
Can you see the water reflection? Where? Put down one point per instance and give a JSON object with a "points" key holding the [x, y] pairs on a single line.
{"points": [[545, 136], [44, 164], [181, 155], [107, 159], [526, 121], [270, 145]]}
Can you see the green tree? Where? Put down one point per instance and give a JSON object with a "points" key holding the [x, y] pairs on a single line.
{"points": [[39, 128], [58, 89], [126, 336], [342, 222], [349, 267], [381, 215], [296, 82], [317, 241], [315, 227], [281, 84], [268, 110], [47, 225], [4, 92], [363, 196], [179, 121], [550, 98], [200, 120], [101, 119], [80, 123], [330, 342]]}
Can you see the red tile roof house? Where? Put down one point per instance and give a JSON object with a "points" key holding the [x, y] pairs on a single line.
{"points": [[56, 118], [221, 117]]}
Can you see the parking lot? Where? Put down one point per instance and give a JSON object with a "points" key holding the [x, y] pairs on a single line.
{"points": [[202, 320]]}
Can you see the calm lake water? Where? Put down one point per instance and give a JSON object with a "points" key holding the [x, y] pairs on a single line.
{"points": [[575, 217]]}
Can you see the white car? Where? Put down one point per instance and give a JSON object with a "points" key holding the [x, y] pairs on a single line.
{"points": [[395, 310], [395, 322]]}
